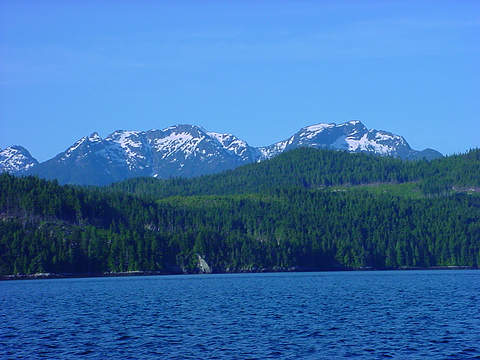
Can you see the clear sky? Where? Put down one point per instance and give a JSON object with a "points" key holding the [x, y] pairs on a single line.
{"points": [[258, 69]]}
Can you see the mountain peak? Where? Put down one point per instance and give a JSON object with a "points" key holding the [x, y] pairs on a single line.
{"points": [[354, 122], [15, 148], [16, 158], [319, 127], [322, 126], [185, 150], [184, 127], [352, 136], [94, 137]]}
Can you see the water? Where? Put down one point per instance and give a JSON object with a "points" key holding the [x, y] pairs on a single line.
{"points": [[363, 315]]}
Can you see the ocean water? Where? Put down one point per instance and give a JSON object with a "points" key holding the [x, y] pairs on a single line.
{"points": [[325, 315]]}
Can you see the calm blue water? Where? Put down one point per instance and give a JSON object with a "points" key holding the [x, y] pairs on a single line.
{"points": [[364, 315]]}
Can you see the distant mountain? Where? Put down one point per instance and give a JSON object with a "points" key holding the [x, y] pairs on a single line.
{"points": [[182, 150], [14, 159], [351, 136], [188, 150]]}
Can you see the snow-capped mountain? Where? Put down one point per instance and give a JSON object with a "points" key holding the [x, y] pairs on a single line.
{"points": [[181, 150], [16, 158], [188, 150], [351, 136]]}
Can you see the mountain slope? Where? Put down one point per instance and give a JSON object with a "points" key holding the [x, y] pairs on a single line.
{"points": [[181, 150], [351, 136], [88, 161], [14, 159], [189, 151]]}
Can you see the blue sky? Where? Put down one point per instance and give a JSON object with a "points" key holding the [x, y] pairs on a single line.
{"points": [[258, 69]]}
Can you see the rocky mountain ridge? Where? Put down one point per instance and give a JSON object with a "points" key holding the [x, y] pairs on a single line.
{"points": [[189, 150]]}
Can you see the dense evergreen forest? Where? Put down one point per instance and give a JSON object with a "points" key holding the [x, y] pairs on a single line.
{"points": [[305, 209], [312, 169]]}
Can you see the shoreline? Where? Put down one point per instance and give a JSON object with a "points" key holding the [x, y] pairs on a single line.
{"points": [[43, 276]]}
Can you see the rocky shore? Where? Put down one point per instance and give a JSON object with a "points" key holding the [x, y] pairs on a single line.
{"points": [[179, 271]]}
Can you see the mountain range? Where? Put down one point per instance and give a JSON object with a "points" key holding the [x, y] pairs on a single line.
{"points": [[189, 150]]}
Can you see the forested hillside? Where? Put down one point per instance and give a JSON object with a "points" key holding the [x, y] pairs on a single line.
{"points": [[303, 210], [311, 169]]}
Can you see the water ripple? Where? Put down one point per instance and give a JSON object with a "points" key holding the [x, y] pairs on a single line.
{"points": [[360, 315]]}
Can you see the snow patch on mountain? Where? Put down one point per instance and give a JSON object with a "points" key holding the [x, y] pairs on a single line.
{"points": [[16, 159], [273, 150], [74, 147], [174, 142], [231, 144], [384, 136], [310, 132], [351, 122], [188, 150], [94, 137], [319, 127], [366, 144], [126, 146], [126, 139], [350, 136], [85, 141]]}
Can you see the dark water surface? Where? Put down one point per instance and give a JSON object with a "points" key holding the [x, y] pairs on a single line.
{"points": [[363, 315]]}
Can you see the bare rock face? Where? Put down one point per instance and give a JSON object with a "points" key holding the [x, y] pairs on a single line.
{"points": [[203, 266]]}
